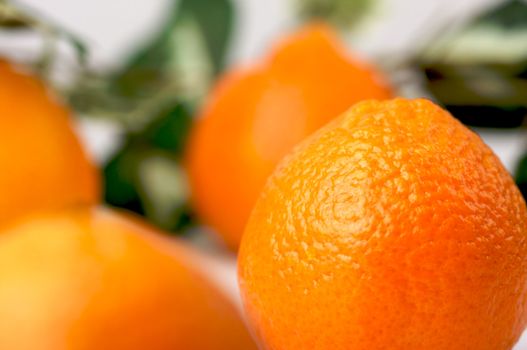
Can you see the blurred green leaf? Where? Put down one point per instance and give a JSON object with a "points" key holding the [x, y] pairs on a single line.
{"points": [[344, 13], [503, 27], [169, 129], [511, 15], [145, 69], [179, 62], [120, 179], [495, 85], [146, 176], [163, 190], [157, 65], [479, 95], [478, 83], [521, 173], [521, 176], [215, 19]]}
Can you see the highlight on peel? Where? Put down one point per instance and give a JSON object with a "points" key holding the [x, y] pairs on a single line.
{"points": [[94, 279], [392, 227], [255, 115], [44, 166]]}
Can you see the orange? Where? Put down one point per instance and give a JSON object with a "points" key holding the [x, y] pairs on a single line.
{"points": [[255, 115], [393, 227], [92, 279], [42, 163]]}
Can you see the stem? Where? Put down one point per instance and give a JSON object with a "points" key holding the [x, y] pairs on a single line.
{"points": [[14, 17]]}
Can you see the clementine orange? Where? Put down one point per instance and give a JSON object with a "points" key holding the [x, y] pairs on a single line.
{"points": [[255, 115], [393, 227], [43, 164], [92, 279]]}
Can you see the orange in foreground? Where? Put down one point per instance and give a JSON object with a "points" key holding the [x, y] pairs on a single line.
{"points": [[43, 165], [256, 115], [394, 227], [92, 279]]}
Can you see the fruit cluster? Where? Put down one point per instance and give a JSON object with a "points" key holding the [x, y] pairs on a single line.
{"points": [[75, 275], [371, 224]]}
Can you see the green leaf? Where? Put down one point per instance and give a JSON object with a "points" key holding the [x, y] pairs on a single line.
{"points": [[145, 69], [490, 95], [344, 13], [146, 176], [150, 182], [120, 180], [521, 176], [163, 190], [479, 84], [503, 27], [199, 28], [511, 15], [169, 130], [177, 63], [215, 18], [496, 85], [521, 173]]}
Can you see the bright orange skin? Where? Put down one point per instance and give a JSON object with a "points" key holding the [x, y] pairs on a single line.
{"points": [[92, 279], [394, 227], [42, 163], [256, 115]]}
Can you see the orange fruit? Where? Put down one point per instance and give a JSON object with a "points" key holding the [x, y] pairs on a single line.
{"points": [[43, 164], [92, 279], [255, 115], [393, 227]]}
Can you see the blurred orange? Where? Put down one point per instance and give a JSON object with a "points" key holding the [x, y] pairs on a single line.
{"points": [[394, 227], [43, 165], [92, 279], [256, 115]]}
